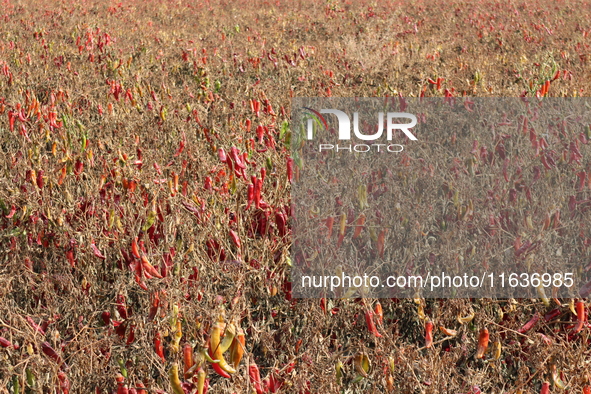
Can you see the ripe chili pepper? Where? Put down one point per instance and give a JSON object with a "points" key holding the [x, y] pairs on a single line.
{"points": [[96, 251], [370, 323], [237, 348], [206, 354], [448, 332], [580, 309], [545, 388], [235, 238], [51, 353], [131, 335], [215, 349], [527, 326], [289, 169], [257, 193], [141, 390], [329, 225], [40, 179], [149, 268], [35, 326], [121, 387], [64, 383], [235, 155], [552, 314], [187, 358], [134, 248], [70, 257], [106, 316], [281, 223], [255, 377], [428, 334], [5, 342], [158, 346], [154, 307], [120, 305], [359, 226], [482, 343]]}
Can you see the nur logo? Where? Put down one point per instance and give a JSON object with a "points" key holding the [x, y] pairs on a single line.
{"points": [[345, 124]]}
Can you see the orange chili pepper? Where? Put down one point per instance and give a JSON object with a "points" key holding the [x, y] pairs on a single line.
{"points": [[237, 348], [379, 313], [482, 343], [187, 358], [428, 334], [580, 308], [329, 224], [359, 225], [134, 248]]}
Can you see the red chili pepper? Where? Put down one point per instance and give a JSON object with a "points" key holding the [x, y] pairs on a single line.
{"points": [[527, 326], [141, 390], [121, 308], [429, 334], [545, 388], [552, 314], [96, 251], [35, 325], [5, 342], [121, 387], [140, 282], [134, 248], [255, 377], [273, 382], [289, 169], [158, 346], [235, 238], [235, 155], [40, 179], [149, 268], [222, 155], [180, 149], [260, 132], [154, 307], [216, 367], [12, 212], [370, 323], [256, 192], [281, 222], [131, 335], [70, 257], [64, 382], [51, 353], [106, 316]]}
